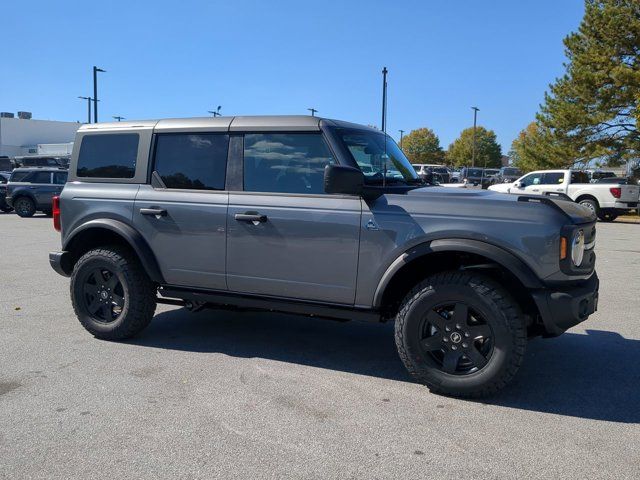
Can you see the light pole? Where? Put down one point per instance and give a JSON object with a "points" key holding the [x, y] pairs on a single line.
{"points": [[216, 112], [118, 117], [384, 99], [473, 154], [313, 111], [401, 135], [88, 99], [95, 92]]}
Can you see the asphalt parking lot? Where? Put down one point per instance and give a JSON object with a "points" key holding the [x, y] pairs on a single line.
{"points": [[226, 395]]}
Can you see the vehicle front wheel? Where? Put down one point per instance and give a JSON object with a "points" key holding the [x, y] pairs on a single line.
{"points": [[24, 207], [461, 334], [111, 293]]}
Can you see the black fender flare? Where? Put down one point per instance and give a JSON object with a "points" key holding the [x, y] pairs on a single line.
{"points": [[129, 234], [496, 254]]}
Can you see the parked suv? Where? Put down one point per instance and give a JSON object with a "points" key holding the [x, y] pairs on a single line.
{"points": [[31, 189], [4, 178], [321, 218]]}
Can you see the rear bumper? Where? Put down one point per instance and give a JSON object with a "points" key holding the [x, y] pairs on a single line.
{"points": [[626, 205], [563, 309], [61, 263]]}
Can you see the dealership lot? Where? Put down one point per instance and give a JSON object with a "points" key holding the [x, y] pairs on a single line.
{"points": [[222, 395]]}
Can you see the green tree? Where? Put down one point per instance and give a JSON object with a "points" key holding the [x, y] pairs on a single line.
{"points": [[488, 151], [593, 109], [422, 146], [537, 148]]}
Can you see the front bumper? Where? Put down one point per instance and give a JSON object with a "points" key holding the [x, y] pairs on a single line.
{"points": [[61, 263], [563, 309]]}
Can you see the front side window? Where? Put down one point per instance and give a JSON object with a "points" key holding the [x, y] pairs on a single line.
{"points": [[18, 176], [532, 179], [60, 178], [192, 161], [379, 157], [285, 162], [108, 155]]}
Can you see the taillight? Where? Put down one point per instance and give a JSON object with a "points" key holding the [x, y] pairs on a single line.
{"points": [[55, 209], [616, 191]]}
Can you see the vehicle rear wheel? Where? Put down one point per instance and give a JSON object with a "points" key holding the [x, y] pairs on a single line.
{"points": [[461, 334], [608, 217], [24, 207], [111, 293], [591, 205]]}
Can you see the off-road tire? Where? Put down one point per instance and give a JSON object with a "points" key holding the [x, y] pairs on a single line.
{"points": [[24, 207], [482, 294], [139, 292]]}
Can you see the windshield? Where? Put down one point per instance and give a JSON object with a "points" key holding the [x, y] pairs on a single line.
{"points": [[474, 172], [379, 157]]}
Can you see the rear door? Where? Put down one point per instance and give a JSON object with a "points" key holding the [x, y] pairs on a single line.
{"points": [[182, 214], [553, 182], [286, 236], [42, 187]]}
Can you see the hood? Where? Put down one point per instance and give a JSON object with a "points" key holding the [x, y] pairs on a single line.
{"points": [[491, 204]]}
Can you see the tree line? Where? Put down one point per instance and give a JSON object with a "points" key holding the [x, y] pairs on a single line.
{"points": [[423, 146], [590, 113]]}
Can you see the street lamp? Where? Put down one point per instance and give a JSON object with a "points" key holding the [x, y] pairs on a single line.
{"points": [[118, 117], [313, 111], [384, 99], [401, 135], [216, 112], [473, 154], [95, 92], [88, 99]]}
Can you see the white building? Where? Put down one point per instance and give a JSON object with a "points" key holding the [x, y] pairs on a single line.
{"points": [[21, 136]]}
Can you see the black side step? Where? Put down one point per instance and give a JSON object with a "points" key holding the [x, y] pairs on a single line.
{"points": [[264, 303]]}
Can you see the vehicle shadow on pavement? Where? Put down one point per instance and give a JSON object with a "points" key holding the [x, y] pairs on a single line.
{"points": [[594, 376]]}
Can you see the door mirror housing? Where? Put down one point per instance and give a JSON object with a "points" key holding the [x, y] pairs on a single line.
{"points": [[518, 185], [343, 179]]}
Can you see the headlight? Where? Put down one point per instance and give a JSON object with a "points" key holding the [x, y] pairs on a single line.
{"points": [[577, 247]]}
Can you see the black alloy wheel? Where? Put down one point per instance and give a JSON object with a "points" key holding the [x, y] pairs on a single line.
{"points": [[457, 338]]}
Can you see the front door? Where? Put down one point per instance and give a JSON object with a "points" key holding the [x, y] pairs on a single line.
{"points": [[286, 237], [183, 214]]}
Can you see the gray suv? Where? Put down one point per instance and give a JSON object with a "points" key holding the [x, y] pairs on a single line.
{"points": [[321, 218]]}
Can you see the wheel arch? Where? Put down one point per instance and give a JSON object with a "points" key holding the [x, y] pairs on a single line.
{"points": [[588, 196], [101, 232], [447, 254]]}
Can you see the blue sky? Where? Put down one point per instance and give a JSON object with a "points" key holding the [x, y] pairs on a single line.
{"points": [[182, 58]]}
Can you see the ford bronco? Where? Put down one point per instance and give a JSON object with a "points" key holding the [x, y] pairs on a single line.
{"points": [[322, 218]]}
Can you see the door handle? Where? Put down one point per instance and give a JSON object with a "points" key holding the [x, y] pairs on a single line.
{"points": [[535, 190], [250, 217], [161, 212]]}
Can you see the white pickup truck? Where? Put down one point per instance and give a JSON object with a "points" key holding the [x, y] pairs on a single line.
{"points": [[605, 199]]}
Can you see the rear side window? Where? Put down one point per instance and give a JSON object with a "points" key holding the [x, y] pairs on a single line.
{"points": [[553, 178], [39, 177], [60, 178], [108, 155], [285, 163], [192, 161]]}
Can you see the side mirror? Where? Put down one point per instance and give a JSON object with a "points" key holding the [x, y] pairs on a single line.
{"points": [[518, 185], [343, 179]]}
